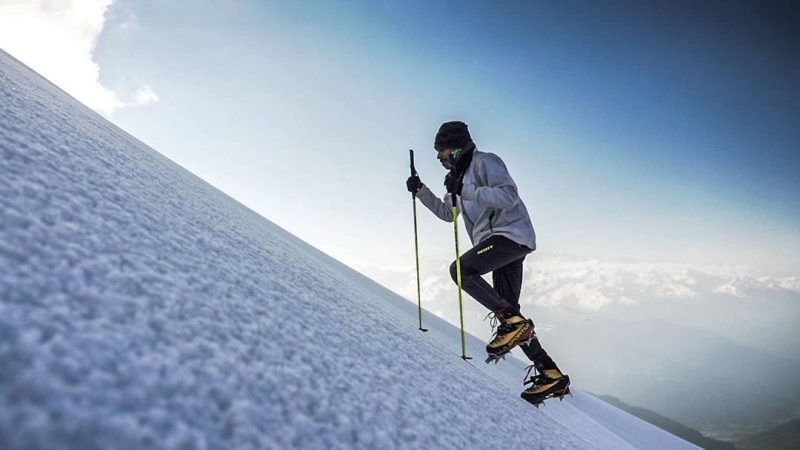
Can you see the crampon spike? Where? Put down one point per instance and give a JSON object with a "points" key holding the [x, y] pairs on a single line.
{"points": [[562, 394], [495, 358]]}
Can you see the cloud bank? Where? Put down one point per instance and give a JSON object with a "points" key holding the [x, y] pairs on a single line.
{"points": [[722, 299], [591, 284], [57, 38]]}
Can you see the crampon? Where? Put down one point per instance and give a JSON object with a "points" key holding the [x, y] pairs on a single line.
{"points": [[558, 394], [551, 383], [495, 358]]}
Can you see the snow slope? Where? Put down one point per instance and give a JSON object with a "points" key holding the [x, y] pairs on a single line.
{"points": [[142, 308]]}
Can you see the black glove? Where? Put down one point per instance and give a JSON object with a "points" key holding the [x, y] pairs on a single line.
{"points": [[413, 184], [453, 183]]}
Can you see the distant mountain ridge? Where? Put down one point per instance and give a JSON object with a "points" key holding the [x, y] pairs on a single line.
{"points": [[783, 437], [679, 371], [688, 433]]}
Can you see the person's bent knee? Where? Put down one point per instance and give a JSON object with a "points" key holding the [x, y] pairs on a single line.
{"points": [[466, 271]]}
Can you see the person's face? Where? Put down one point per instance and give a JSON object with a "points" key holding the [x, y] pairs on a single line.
{"points": [[443, 155]]}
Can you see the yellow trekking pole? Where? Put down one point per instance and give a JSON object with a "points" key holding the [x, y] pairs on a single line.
{"points": [[416, 244], [458, 278]]}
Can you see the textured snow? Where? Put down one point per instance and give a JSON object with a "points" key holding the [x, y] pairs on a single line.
{"points": [[142, 308]]}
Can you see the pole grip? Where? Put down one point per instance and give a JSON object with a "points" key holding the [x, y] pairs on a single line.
{"points": [[453, 196]]}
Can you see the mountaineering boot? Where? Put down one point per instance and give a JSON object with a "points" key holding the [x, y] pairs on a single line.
{"points": [[512, 331], [550, 383]]}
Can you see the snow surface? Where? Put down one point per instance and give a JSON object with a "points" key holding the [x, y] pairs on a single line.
{"points": [[142, 308]]}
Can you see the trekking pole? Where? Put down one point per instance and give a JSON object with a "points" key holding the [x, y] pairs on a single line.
{"points": [[416, 243], [458, 278]]}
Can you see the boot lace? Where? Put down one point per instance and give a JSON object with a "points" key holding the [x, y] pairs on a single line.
{"points": [[493, 320], [537, 379], [499, 328]]}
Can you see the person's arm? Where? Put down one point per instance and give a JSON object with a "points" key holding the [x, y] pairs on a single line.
{"points": [[442, 208], [500, 190]]}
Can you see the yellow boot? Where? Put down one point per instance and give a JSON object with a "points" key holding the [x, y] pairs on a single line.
{"points": [[512, 331], [549, 383]]}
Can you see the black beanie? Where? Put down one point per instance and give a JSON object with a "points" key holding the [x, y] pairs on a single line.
{"points": [[452, 135]]}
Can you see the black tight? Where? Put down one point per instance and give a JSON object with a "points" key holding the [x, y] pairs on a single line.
{"points": [[503, 257]]}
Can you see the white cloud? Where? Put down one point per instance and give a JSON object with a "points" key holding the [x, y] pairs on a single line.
{"points": [[145, 96], [57, 38], [728, 289], [592, 285], [131, 21], [790, 284]]}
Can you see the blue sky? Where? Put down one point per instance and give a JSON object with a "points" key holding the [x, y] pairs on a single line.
{"points": [[634, 130]]}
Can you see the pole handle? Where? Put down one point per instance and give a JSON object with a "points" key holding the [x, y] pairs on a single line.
{"points": [[453, 196]]}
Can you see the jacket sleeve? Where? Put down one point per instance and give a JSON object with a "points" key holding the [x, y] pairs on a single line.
{"points": [[500, 190], [443, 209]]}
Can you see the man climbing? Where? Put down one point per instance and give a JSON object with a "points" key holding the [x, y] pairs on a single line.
{"points": [[502, 234]]}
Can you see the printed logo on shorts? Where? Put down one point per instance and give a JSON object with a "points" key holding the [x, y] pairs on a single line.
{"points": [[484, 250]]}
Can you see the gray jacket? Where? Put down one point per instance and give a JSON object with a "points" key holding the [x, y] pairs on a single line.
{"points": [[489, 203]]}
